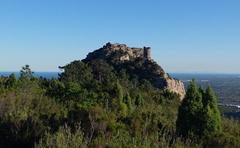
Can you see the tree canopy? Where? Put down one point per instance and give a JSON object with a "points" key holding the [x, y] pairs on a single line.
{"points": [[94, 104], [199, 114]]}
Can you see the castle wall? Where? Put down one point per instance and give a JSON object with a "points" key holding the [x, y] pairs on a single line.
{"points": [[131, 52]]}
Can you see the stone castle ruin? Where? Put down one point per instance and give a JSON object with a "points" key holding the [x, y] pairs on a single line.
{"points": [[128, 53], [147, 52]]}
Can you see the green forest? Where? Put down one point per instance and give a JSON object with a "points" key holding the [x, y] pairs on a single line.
{"points": [[96, 104]]}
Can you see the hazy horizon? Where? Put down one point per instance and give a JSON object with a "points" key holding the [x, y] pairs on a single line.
{"points": [[186, 36], [184, 73]]}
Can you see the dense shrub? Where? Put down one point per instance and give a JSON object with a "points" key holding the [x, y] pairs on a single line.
{"points": [[25, 114], [63, 138], [96, 105]]}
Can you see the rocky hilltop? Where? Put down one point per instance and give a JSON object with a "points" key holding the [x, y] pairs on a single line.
{"points": [[137, 61]]}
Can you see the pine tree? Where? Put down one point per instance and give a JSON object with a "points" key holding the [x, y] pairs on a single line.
{"points": [[139, 100], [119, 92], [211, 113], [11, 81], [123, 109], [190, 112], [199, 114], [26, 73], [129, 102]]}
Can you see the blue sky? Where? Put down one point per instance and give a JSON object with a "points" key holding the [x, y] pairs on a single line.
{"points": [[185, 35]]}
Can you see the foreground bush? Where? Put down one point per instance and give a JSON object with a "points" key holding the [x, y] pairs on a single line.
{"points": [[25, 115], [63, 138], [111, 110]]}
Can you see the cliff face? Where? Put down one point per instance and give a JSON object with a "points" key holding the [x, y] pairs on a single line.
{"points": [[176, 86], [138, 62]]}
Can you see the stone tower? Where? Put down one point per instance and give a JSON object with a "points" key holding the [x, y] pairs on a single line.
{"points": [[147, 52]]}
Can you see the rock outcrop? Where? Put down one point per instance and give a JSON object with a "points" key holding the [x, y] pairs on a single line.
{"points": [[144, 66], [175, 86]]}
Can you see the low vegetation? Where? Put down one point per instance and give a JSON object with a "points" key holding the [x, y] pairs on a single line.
{"points": [[92, 105]]}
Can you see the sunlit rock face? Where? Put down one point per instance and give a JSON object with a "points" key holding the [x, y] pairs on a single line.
{"points": [[120, 55], [175, 86]]}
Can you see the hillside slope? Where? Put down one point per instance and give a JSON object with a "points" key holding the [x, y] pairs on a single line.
{"points": [[138, 63]]}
